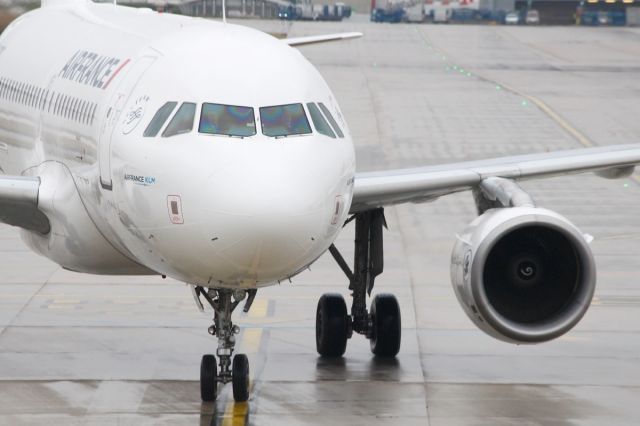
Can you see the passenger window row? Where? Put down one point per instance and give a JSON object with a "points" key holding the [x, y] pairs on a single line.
{"points": [[278, 121], [56, 103]]}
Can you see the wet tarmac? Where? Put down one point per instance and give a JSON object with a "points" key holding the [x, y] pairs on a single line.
{"points": [[80, 349]]}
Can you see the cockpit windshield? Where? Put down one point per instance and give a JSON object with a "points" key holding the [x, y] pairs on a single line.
{"points": [[227, 120], [284, 120]]}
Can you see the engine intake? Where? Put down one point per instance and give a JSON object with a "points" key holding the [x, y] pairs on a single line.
{"points": [[523, 274]]}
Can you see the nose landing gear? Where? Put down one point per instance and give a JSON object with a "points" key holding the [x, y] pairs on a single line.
{"points": [[224, 302], [382, 324]]}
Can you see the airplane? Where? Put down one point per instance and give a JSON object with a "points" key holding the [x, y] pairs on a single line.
{"points": [[133, 142]]}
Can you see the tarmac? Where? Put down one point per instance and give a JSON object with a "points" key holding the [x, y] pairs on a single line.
{"points": [[82, 349]]}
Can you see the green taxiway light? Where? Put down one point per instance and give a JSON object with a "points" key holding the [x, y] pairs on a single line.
{"points": [[524, 103], [498, 87]]}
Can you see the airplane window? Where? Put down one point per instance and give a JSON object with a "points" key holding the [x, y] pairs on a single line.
{"points": [[73, 108], [227, 120], [182, 122], [65, 106], [284, 120], [50, 101], [159, 119], [319, 122], [63, 103], [93, 113], [56, 104], [79, 106], [83, 114], [327, 113]]}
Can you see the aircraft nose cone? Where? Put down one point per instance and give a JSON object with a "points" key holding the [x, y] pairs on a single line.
{"points": [[271, 221]]}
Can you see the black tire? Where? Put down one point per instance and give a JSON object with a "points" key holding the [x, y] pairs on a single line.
{"points": [[331, 326], [208, 378], [387, 327], [240, 378]]}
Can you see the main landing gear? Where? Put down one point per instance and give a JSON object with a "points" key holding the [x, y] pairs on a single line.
{"points": [[381, 324], [231, 369]]}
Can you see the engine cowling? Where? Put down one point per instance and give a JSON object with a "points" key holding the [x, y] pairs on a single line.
{"points": [[523, 274]]}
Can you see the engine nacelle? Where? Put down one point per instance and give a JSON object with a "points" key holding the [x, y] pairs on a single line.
{"points": [[523, 274]]}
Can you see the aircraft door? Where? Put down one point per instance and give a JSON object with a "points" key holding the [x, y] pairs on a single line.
{"points": [[112, 115]]}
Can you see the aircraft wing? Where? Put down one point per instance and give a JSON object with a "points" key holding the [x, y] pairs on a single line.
{"points": [[378, 189], [301, 41], [19, 203]]}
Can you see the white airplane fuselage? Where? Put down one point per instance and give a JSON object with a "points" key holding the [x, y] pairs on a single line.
{"points": [[80, 83]]}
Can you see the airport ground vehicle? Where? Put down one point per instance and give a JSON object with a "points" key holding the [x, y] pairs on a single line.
{"points": [[512, 18], [532, 17]]}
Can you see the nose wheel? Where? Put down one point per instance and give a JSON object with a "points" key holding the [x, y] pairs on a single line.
{"points": [[240, 379], [208, 378], [382, 323], [225, 371]]}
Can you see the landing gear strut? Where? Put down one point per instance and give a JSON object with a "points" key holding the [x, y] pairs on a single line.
{"points": [[224, 302], [382, 324]]}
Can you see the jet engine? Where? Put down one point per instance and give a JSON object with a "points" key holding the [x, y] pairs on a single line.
{"points": [[523, 274]]}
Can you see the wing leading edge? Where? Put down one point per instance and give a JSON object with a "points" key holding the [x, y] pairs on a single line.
{"points": [[378, 189], [19, 203], [302, 41]]}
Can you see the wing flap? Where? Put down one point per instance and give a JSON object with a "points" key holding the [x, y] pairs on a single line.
{"points": [[302, 41], [19, 203], [377, 189]]}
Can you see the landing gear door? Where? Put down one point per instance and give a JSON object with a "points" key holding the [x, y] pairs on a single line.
{"points": [[113, 112]]}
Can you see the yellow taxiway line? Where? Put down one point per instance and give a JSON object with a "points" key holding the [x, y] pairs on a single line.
{"points": [[542, 106]]}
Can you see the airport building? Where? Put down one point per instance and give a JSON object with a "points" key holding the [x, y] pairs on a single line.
{"points": [[548, 12], [265, 9]]}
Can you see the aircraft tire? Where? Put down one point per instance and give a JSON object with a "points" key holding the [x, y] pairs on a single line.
{"points": [[387, 327], [240, 378], [208, 378], [331, 325]]}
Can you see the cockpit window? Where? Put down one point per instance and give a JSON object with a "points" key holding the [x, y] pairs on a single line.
{"points": [[159, 119], [319, 122], [182, 122], [284, 120], [335, 126], [227, 120]]}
